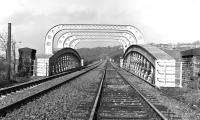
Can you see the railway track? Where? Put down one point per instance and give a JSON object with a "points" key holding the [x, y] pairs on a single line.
{"points": [[116, 99], [33, 83], [151, 98], [13, 97]]}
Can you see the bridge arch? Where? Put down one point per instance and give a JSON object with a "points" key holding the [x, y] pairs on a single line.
{"points": [[64, 59], [72, 41], [78, 27], [67, 39], [151, 64]]}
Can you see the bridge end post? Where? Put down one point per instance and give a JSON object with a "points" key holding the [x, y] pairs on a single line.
{"points": [[82, 62], [121, 62]]}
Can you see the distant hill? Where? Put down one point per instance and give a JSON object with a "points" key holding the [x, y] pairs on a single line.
{"points": [[92, 54]]}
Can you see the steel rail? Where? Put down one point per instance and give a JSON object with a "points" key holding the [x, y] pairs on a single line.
{"points": [[94, 108], [94, 113], [18, 87], [145, 99], [15, 104]]}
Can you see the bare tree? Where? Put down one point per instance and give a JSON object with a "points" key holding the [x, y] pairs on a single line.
{"points": [[3, 43], [3, 54]]}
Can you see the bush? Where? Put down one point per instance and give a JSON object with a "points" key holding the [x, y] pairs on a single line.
{"points": [[3, 70], [3, 66]]}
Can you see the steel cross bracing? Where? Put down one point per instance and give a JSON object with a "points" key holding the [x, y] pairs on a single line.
{"points": [[131, 38], [140, 65], [50, 37], [75, 41], [65, 39], [72, 41], [153, 65], [126, 39], [64, 59]]}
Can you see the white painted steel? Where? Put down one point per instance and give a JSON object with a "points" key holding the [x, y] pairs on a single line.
{"points": [[153, 65], [165, 73], [54, 30], [42, 66]]}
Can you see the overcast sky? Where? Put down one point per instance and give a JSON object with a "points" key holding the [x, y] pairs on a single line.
{"points": [[161, 21]]}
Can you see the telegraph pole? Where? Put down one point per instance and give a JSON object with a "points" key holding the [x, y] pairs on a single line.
{"points": [[9, 52]]}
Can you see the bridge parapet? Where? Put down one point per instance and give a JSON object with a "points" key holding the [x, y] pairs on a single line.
{"points": [[63, 60], [152, 64]]}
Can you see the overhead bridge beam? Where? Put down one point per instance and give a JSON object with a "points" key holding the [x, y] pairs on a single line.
{"points": [[71, 39], [58, 30]]}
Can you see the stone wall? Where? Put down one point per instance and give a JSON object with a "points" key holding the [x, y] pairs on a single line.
{"points": [[187, 70], [190, 65]]}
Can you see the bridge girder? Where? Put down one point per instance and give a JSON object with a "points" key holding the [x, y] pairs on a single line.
{"points": [[63, 60], [130, 32], [152, 64], [71, 41], [65, 39]]}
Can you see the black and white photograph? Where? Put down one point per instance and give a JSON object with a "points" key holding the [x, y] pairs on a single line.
{"points": [[99, 59]]}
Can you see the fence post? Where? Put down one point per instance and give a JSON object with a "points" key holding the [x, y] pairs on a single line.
{"points": [[165, 67], [46, 70], [198, 81], [181, 80], [34, 67]]}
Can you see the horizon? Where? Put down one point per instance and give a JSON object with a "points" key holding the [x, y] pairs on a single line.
{"points": [[160, 21]]}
